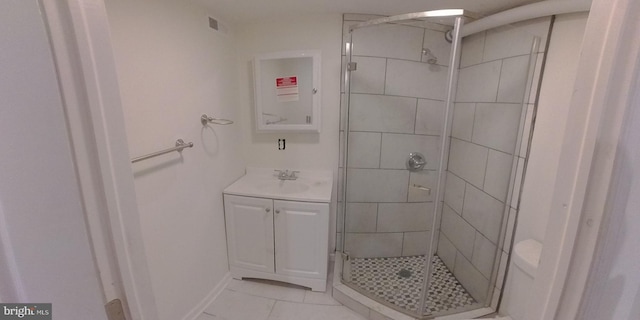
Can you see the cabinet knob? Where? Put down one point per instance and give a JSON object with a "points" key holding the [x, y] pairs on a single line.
{"points": [[267, 209], [277, 210]]}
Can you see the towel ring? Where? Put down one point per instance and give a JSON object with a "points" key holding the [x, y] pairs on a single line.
{"points": [[205, 119]]}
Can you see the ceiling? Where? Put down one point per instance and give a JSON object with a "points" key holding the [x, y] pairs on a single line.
{"points": [[247, 11]]}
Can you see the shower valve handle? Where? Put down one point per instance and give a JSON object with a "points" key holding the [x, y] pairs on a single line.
{"points": [[416, 161]]}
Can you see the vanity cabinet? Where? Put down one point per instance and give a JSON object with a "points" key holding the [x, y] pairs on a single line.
{"points": [[278, 240]]}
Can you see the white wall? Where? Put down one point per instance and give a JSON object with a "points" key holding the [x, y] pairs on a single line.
{"points": [[613, 289], [46, 253], [553, 106], [172, 68], [303, 151]]}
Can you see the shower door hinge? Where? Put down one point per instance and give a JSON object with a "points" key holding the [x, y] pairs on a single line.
{"points": [[345, 256], [352, 66]]}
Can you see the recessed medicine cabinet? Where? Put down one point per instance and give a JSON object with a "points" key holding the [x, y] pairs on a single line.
{"points": [[287, 91]]}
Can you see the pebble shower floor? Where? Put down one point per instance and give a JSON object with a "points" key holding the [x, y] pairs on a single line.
{"points": [[387, 279]]}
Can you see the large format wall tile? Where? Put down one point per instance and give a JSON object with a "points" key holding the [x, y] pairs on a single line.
{"points": [[454, 192], [369, 77], [369, 245], [415, 243], [472, 49], [416, 79], [396, 149], [402, 217], [513, 79], [496, 125], [429, 117], [458, 231], [372, 185], [364, 149], [362, 217], [470, 278], [483, 255], [496, 181], [483, 212], [515, 40], [479, 83], [382, 113], [446, 251], [462, 125], [390, 40], [468, 161]]}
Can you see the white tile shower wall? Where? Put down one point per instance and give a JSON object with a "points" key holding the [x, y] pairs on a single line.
{"points": [[429, 117], [413, 243], [422, 178], [396, 108], [486, 123], [390, 41], [410, 79], [396, 148], [379, 113], [496, 125]]}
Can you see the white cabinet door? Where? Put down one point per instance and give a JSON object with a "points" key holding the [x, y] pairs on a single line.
{"points": [[250, 232], [301, 236]]}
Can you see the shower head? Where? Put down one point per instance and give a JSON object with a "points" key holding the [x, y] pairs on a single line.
{"points": [[431, 58]]}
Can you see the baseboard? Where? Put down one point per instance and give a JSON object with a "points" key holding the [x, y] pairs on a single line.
{"points": [[212, 295]]}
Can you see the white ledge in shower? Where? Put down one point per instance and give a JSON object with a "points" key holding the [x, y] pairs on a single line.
{"points": [[310, 186]]}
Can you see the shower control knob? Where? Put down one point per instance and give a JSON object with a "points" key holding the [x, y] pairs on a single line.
{"points": [[416, 161]]}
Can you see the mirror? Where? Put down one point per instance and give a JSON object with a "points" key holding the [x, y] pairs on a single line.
{"points": [[287, 91]]}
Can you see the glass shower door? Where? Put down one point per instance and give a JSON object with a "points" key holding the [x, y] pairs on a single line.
{"points": [[396, 92]]}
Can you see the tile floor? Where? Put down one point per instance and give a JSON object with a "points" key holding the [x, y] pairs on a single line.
{"points": [[268, 300], [383, 278]]}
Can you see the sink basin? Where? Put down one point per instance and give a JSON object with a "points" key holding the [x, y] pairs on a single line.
{"points": [[311, 186], [283, 186]]}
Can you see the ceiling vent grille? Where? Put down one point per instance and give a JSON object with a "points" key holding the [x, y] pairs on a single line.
{"points": [[218, 26]]}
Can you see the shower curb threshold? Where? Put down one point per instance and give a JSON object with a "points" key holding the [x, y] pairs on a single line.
{"points": [[373, 310]]}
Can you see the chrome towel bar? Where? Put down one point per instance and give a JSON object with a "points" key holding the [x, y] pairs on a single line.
{"points": [[180, 144]]}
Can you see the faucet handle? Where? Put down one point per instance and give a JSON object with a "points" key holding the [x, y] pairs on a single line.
{"points": [[293, 174]]}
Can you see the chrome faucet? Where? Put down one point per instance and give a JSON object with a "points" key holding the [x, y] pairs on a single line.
{"points": [[286, 175]]}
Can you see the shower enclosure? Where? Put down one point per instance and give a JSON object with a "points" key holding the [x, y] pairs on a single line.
{"points": [[432, 157]]}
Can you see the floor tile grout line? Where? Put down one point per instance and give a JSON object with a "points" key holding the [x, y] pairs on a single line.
{"points": [[270, 298], [290, 301], [271, 311]]}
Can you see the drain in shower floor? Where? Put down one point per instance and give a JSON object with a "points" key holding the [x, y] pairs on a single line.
{"points": [[404, 273]]}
